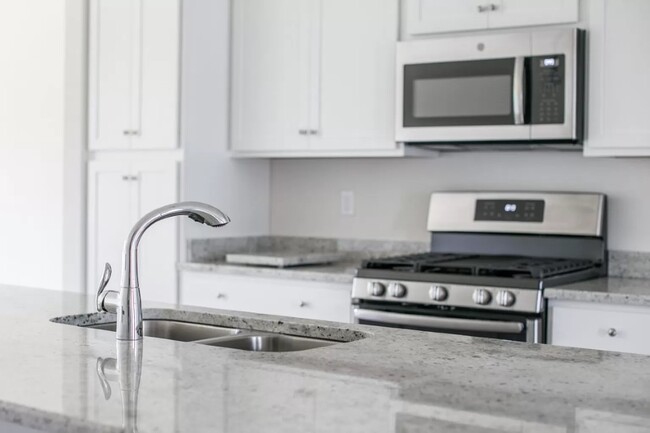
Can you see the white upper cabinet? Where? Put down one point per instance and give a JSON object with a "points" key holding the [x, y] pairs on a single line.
{"points": [[270, 63], [619, 88], [134, 69], [354, 109], [438, 16], [313, 77]]}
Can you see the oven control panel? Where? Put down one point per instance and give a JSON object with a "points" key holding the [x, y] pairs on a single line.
{"points": [[450, 295], [530, 211]]}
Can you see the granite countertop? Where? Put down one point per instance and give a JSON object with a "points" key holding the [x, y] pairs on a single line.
{"points": [[338, 272], [622, 291], [383, 381]]}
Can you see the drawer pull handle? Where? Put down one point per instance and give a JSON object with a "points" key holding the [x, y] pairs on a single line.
{"points": [[611, 332], [221, 296]]}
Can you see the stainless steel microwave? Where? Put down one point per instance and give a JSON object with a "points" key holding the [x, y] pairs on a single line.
{"points": [[518, 88]]}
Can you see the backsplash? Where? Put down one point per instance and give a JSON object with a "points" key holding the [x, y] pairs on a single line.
{"points": [[391, 196], [214, 250]]}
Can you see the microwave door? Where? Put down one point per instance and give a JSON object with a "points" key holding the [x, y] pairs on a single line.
{"points": [[464, 101]]}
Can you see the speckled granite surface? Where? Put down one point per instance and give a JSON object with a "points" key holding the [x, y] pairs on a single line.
{"points": [[390, 381], [340, 272], [628, 264], [207, 255], [214, 250], [621, 291]]}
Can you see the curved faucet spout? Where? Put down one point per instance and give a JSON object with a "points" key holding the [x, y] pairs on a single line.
{"points": [[129, 312], [199, 212]]}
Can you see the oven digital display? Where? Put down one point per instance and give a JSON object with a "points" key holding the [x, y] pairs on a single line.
{"points": [[510, 210]]}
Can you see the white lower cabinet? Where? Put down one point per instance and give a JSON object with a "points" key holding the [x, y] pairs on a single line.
{"points": [[620, 328], [119, 193], [277, 296]]}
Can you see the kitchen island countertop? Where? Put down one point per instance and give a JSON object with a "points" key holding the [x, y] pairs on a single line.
{"points": [[390, 381]]}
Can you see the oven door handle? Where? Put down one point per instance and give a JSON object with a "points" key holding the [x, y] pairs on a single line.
{"points": [[518, 92], [439, 322]]}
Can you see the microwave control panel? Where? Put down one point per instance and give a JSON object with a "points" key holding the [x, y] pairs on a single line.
{"points": [[547, 90]]}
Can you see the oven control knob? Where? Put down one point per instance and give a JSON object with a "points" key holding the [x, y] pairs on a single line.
{"points": [[482, 297], [397, 290], [505, 298], [375, 288], [438, 293]]}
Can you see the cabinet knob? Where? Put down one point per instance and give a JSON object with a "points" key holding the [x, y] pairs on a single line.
{"points": [[126, 132], [313, 132], [303, 304], [221, 296], [612, 332], [303, 132]]}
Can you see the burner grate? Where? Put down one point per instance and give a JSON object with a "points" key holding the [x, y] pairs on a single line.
{"points": [[411, 262], [511, 267], [477, 265]]}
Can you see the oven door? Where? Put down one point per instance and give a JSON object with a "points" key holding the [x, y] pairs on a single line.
{"points": [[472, 323]]}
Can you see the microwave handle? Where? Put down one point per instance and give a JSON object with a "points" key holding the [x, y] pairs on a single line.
{"points": [[518, 85]]}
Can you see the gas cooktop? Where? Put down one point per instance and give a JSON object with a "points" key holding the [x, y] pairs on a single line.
{"points": [[433, 265]]}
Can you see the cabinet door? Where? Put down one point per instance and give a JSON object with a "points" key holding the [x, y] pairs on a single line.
{"points": [[619, 89], [600, 326], [111, 51], [353, 107], [109, 219], [134, 57], [437, 16], [156, 186], [155, 96], [516, 13], [283, 297], [270, 74]]}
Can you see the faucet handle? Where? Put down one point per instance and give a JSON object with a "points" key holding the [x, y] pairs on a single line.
{"points": [[106, 277]]}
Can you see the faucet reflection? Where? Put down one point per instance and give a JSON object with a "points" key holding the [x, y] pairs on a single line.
{"points": [[127, 370]]}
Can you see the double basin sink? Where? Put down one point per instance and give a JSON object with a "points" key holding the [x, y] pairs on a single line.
{"points": [[250, 340]]}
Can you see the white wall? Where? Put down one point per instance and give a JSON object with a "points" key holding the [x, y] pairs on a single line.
{"points": [[33, 104], [239, 188], [392, 195]]}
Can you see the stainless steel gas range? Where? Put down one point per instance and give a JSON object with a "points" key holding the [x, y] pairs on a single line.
{"points": [[491, 256]]}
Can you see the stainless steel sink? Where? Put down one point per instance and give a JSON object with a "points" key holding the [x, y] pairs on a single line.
{"points": [[173, 330], [217, 336], [267, 342]]}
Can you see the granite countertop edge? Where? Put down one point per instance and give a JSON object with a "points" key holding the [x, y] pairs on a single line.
{"points": [[339, 272]]}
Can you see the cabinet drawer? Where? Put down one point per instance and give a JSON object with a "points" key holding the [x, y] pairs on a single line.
{"points": [[282, 297], [599, 326]]}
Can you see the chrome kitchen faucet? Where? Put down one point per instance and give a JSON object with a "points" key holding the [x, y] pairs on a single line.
{"points": [[127, 303]]}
